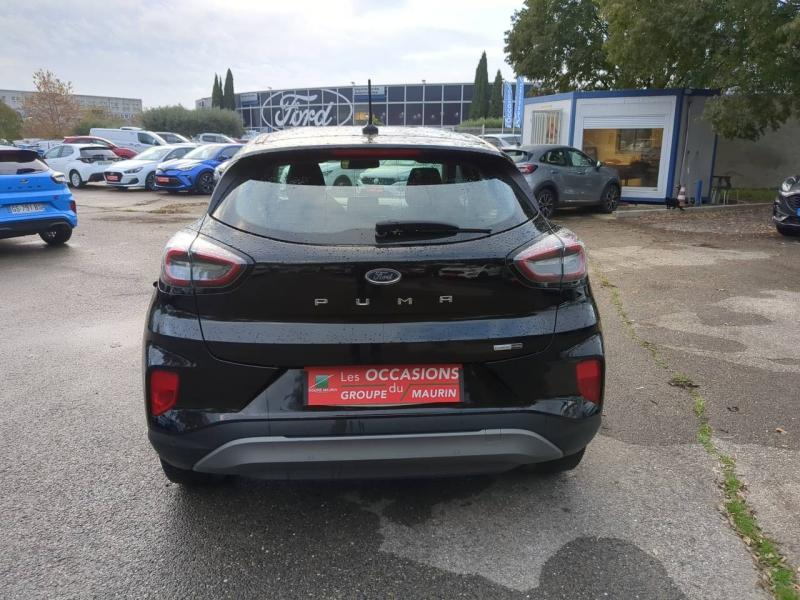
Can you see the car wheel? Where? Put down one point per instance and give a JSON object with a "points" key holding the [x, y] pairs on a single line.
{"points": [[546, 198], [57, 235], [565, 463], [610, 199], [787, 231], [343, 180], [187, 477], [205, 183], [150, 182], [75, 179]]}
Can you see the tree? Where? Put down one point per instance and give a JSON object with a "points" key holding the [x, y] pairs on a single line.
{"points": [[191, 122], [95, 117], [480, 93], [496, 97], [746, 49], [228, 99], [51, 110], [10, 123], [216, 93], [560, 45]]}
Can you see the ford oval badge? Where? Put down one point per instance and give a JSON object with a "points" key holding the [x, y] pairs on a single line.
{"points": [[383, 276]]}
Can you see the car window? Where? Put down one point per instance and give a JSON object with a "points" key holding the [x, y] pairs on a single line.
{"points": [[579, 159], [178, 153], [53, 152], [228, 153], [66, 151], [518, 156], [557, 157], [203, 152], [292, 201], [146, 139], [16, 163]]}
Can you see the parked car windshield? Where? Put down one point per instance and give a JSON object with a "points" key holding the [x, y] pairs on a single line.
{"points": [[203, 152], [157, 153], [297, 202]]}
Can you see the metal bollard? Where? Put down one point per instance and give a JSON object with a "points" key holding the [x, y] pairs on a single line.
{"points": [[698, 193]]}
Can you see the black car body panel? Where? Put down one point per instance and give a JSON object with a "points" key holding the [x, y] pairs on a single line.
{"points": [[786, 207], [241, 351]]}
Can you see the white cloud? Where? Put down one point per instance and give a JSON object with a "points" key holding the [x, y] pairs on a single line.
{"points": [[167, 51]]}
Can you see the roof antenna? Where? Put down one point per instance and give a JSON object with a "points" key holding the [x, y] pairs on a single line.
{"points": [[370, 128]]}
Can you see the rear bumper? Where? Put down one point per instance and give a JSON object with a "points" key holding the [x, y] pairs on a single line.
{"points": [[32, 226], [379, 456], [421, 446]]}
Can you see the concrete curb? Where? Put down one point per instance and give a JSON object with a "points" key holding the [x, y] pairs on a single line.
{"points": [[641, 211]]}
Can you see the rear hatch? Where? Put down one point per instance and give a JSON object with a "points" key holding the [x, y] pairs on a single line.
{"points": [[27, 186], [419, 272]]}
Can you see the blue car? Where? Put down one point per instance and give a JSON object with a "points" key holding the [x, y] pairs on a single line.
{"points": [[195, 171], [34, 199]]}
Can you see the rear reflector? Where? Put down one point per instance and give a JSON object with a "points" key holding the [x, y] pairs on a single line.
{"points": [[526, 168], [589, 375], [191, 260], [553, 259], [163, 391]]}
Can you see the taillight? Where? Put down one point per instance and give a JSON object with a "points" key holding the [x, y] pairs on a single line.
{"points": [[526, 168], [58, 177], [163, 391], [191, 260], [589, 375], [72, 206], [553, 259]]}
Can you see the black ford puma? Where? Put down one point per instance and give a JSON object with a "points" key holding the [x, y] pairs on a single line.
{"points": [[431, 324]]}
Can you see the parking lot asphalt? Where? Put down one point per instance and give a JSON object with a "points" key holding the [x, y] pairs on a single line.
{"points": [[86, 511]]}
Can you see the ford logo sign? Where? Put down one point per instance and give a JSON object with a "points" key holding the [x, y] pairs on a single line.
{"points": [[383, 276], [303, 110]]}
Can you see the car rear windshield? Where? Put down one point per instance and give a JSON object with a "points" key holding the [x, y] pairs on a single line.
{"points": [[11, 163], [97, 153], [340, 201]]}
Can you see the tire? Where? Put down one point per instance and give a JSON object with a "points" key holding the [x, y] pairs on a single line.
{"points": [[150, 182], [57, 235], [546, 199], [188, 478], [205, 183], [609, 201], [342, 180], [75, 179], [788, 231], [565, 463]]}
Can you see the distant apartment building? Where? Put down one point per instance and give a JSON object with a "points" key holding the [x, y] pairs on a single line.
{"points": [[123, 108]]}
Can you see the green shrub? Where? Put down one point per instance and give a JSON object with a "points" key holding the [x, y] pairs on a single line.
{"points": [[191, 122]]}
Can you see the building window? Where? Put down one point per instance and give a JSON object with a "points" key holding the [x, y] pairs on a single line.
{"points": [[433, 92], [451, 113], [634, 153], [452, 93], [414, 93], [414, 114], [397, 93], [433, 114]]}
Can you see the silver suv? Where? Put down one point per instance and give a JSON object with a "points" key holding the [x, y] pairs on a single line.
{"points": [[561, 176]]}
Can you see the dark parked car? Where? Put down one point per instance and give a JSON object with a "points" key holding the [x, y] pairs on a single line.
{"points": [[786, 208], [304, 330], [561, 176]]}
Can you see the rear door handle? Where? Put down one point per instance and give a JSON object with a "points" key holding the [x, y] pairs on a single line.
{"points": [[554, 171]]}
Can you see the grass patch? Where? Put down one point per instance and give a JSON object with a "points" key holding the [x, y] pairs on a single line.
{"points": [[752, 194], [778, 576]]}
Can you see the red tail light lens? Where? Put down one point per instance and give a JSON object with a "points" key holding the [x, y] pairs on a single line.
{"points": [[553, 259], [195, 261], [163, 391], [526, 168], [589, 375], [72, 206]]}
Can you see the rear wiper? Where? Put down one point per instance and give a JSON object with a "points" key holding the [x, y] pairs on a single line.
{"points": [[385, 230]]}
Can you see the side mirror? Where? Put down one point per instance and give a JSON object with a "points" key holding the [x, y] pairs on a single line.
{"points": [[598, 164]]}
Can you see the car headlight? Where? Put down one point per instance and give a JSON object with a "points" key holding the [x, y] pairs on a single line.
{"points": [[788, 184], [136, 170], [186, 168]]}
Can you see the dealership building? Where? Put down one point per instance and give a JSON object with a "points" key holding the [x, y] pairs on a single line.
{"points": [[409, 104]]}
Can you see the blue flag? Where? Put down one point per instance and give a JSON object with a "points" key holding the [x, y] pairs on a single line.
{"points": [[520, 102], [508, 104]]}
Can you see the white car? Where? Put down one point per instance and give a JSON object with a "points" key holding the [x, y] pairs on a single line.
{"points": [[173, 138], [214, 138], [136, 139], [81, 163], [140, 172]]}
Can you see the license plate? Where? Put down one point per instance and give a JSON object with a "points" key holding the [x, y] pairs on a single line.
{"points": [[112, 177], [103, 162], [17, 209], [162, 179], [383, 385]]}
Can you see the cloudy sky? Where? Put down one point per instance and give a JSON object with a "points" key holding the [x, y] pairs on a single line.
{"points": [[166, 52]]}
